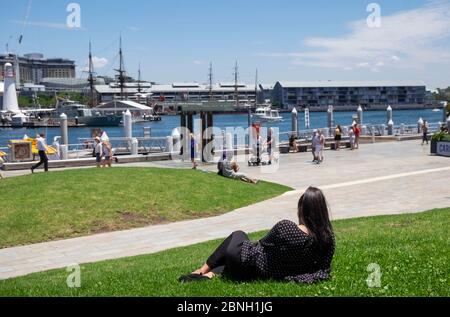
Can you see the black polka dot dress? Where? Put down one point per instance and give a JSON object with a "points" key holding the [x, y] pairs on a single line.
{"points": [[288, 253]]}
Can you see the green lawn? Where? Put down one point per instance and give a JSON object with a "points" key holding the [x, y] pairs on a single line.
{"points": [[57, 205], [411, 250]]}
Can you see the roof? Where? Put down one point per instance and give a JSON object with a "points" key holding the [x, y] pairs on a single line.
{"points": [[174, 88], [337, 84], [68, 81], [124, 104]]}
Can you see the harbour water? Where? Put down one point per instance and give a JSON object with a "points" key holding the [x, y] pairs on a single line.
{"points": [[164, 128]]}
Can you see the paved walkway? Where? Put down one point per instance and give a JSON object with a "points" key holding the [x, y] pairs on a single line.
{"points": [[385, 178]]}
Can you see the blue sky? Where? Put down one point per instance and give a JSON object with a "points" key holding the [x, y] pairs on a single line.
{"points": [[285, 39]]}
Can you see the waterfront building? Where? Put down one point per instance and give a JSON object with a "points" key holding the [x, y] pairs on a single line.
{"points": [[348, 95], [177, 92], [34, 67]]}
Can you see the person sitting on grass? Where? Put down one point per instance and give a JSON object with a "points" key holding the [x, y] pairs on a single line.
{"points": [[231, 170], [292, 252]]}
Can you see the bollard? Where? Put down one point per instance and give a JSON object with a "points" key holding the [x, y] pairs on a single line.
{"points": [[389, 114], [372, 131], [383, 130], [402, 129], [127, 125], [169, 144], [391, 127], [419, 125], [345, 130], [64, 129], [57, 148], [176, 141], [229, 146], [134, 147], [64, 152], [330, 117], [360, 115], [294, 119], [307, 119], [364, 130]]}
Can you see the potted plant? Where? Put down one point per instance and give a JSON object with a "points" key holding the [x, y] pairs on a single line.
{"points": [[438, 137]]}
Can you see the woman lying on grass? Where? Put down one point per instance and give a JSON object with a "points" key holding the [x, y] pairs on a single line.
{"points": [[300, 253]]}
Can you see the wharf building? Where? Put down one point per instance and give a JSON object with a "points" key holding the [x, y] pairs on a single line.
{"points": [[348, 95]]}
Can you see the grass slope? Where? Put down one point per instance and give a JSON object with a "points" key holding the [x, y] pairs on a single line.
{"points": [[57, 205], [411, 250]]}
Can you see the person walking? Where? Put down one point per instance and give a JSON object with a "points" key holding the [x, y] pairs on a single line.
{"points": [[193, 151], [337, 138], [106, 154], [321, 146], [270, 143], [357, 131], [98, 151], [352, 136], [42, 149], [425, 129], [314, 143]]}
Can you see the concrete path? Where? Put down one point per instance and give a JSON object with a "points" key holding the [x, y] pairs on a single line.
{"points": [[387, 178]]}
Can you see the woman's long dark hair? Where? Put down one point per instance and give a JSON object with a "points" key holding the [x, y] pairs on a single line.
{"points": [[313, 214]]}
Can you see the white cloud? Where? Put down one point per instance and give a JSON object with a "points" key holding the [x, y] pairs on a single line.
{"points": [[49, 25], [134, 28], [199, 62], [408, 39], [98, 63]]}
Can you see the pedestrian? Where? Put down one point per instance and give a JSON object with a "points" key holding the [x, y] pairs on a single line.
{"points": [[193, 152], [357, 131], [1, 163], [425, 132], [337, 138], [106, 154], [42, 149], [270, 143], [319, 149], [352, 136], [314, 142], [98, 152]]}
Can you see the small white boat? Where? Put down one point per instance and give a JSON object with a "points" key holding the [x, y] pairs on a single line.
{"points": [[436, 110], [267, 114]]}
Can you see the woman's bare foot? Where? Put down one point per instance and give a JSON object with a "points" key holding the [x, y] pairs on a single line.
{"points": [[205, 269]]}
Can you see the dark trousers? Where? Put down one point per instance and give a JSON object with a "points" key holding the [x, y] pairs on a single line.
{"points": [[43, 160], [425, 137], [227, 257]]}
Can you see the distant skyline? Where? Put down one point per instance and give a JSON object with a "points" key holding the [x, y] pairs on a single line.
{"points": [[174, 41]]}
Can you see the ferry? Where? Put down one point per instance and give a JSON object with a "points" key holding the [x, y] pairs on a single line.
{"points": [[267, 114]]}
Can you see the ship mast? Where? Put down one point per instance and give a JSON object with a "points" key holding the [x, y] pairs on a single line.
{"points": [[210, 77], [121, 71], [91, 79], [139, 79], [236, 90], [256, 88]]}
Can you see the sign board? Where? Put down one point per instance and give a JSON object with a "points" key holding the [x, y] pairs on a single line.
{"points": [[21, 151], [443, 149]]}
